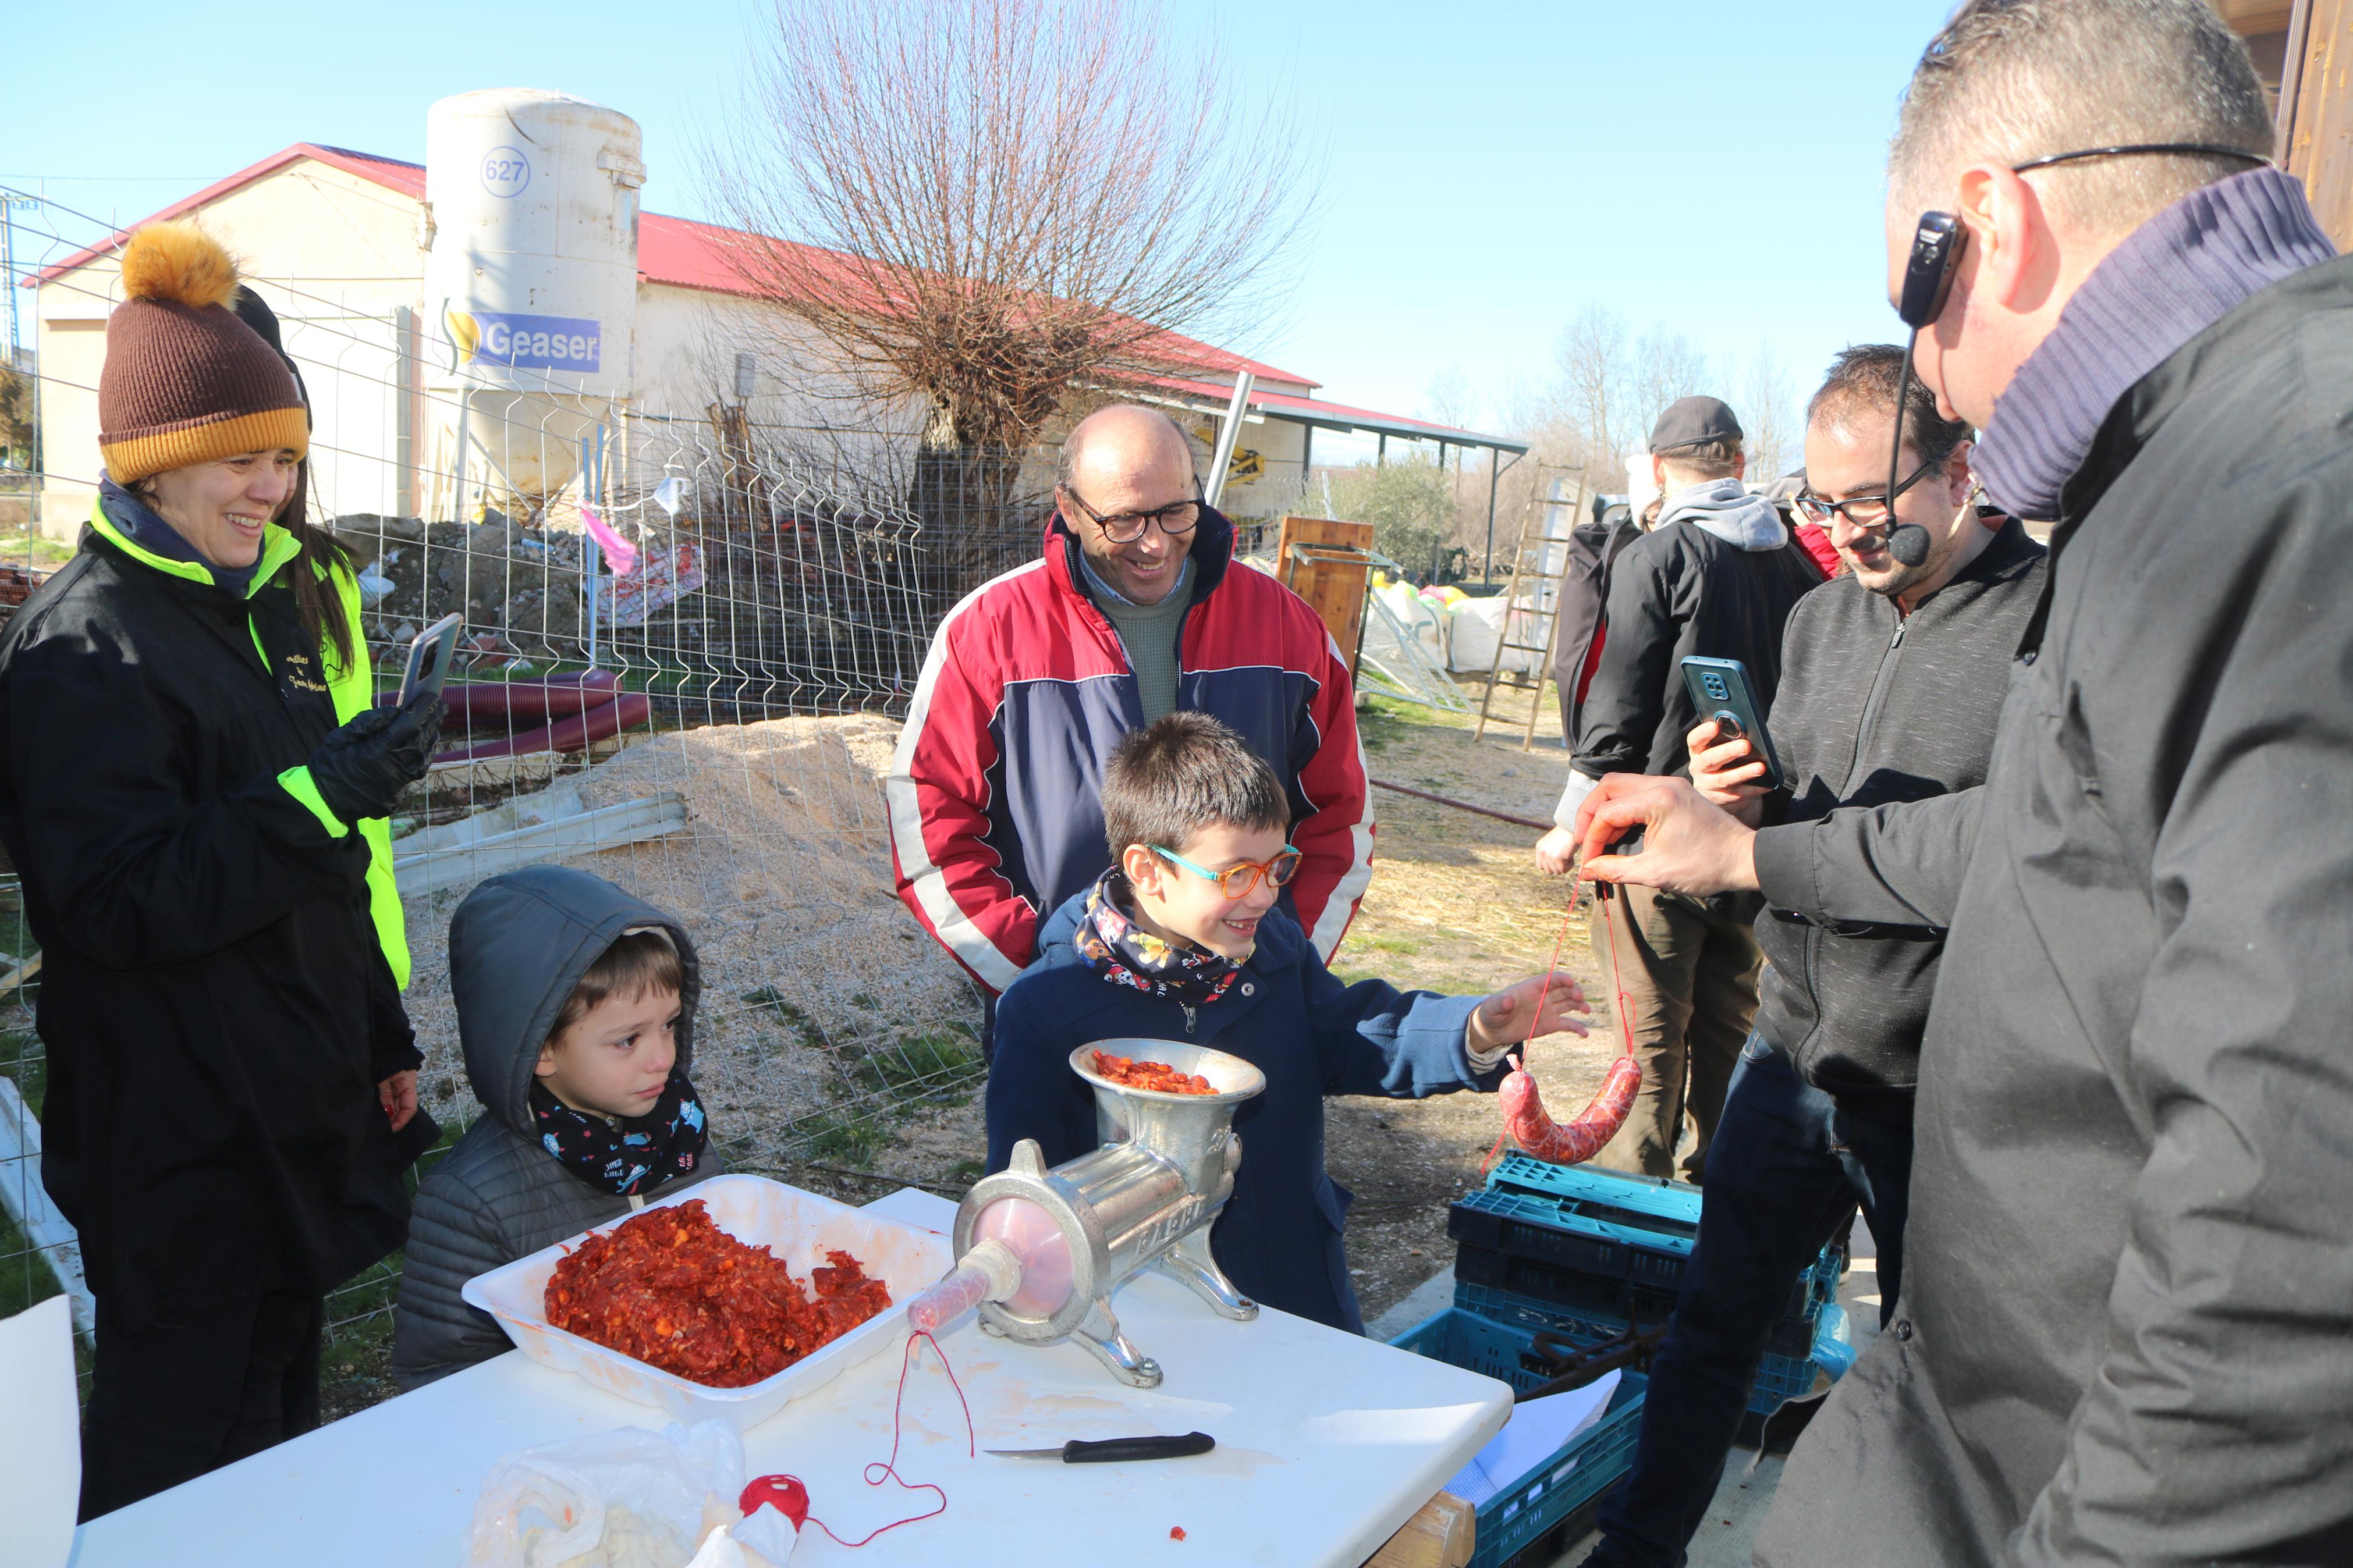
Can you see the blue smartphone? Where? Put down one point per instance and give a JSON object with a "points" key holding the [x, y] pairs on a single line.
{"points": [[1720, 690]]}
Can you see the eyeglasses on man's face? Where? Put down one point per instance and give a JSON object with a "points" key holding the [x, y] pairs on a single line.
{"points": [[1127, 527], [1860, 511], [1236, 881]]}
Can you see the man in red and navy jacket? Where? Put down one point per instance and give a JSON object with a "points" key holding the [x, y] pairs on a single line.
{"points": [[1135, 608]]}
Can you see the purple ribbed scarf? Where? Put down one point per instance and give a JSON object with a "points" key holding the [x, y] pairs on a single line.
{"points": [[2174, 276]]}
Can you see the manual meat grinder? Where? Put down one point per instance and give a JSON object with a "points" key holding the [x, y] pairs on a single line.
{"points": [[1040, 1251]]}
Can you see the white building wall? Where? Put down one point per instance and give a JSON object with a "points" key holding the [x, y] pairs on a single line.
{"points": [[334, 256], [338, 257]]}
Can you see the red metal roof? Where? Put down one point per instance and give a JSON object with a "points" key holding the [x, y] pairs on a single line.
{"points": [[673, 250]]}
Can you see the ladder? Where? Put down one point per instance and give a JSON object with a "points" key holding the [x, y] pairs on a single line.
{"points": [[1532, 599]]}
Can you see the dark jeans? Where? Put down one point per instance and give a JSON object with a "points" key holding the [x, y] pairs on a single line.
{"points": [[174, 1400], [1788, 1164]]}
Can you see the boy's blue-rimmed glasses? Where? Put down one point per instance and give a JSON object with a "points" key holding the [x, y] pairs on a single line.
{"points": [[1236, 881]]}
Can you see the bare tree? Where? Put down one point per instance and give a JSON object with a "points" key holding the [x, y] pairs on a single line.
{"points": [[1591, 397], [998, 200], [1666, 365], [1769, 412], [1451, 400]]}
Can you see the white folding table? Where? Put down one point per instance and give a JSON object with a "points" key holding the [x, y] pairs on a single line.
{"points": [[1326, 1443]]}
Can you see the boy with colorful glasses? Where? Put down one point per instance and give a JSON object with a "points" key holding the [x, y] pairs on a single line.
{"points": [[1183, 940]]}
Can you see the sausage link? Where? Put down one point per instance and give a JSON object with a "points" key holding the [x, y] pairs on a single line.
{"points": [[1576, 1142]]}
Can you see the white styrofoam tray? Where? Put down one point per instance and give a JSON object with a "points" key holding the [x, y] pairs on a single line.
{"points": [[799, 1228]]}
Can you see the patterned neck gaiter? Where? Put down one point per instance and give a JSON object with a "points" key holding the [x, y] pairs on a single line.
{"points": [[1124, 953], [626, 1154]]}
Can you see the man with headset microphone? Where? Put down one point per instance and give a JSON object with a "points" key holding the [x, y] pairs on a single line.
{"points": [[2128, 1297]]}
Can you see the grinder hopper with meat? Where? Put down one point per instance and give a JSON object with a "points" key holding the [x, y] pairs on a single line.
{"points": [[1040, 1251]]}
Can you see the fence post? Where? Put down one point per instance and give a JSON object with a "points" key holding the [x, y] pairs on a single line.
{"points": [[591, 553], [1216, 489]]}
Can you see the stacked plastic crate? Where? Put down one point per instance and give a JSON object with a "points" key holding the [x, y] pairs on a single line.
{"points": [[1584, 1256]]}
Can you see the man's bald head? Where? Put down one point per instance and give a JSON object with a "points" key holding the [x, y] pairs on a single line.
{"points": [[1123, 463], [1124, 436]]}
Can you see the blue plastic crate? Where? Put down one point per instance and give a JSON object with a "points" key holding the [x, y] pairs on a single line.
{"points": [[1603, 1240], [1571, 1292], [1778, 1377], [1655, 1197], [1593, 1462]]}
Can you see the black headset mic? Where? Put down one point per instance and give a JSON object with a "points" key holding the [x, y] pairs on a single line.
{"points": [[1909, 542], [1927, 281]]}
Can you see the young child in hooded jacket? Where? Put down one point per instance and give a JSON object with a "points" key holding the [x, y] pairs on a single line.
{"points": [[1183, 939], [575, 1006]]}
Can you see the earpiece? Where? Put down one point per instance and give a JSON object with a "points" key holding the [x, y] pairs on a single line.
{"points": [[1928, 276], [1927, 284]]}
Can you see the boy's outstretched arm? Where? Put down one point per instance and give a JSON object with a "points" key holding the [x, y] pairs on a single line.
{"points": [[1373, 1038]]}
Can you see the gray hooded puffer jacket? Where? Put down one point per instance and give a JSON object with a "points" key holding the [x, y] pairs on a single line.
{"points": [[518, 946]]}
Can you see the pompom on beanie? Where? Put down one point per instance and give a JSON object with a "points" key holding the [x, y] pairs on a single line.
{"points": [[186, 380]]}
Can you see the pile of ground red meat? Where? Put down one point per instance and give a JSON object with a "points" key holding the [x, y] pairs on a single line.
{"points": [[671, 1288], [1129, 1074]]}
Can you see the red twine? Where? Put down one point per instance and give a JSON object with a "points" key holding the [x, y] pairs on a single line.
{"points": [[789, 1495], [1625, 1009]]}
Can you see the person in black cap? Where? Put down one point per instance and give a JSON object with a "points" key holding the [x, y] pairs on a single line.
{"points": [[1715, 578]]}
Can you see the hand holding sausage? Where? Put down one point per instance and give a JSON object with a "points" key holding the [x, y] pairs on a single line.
{"points": [[1688, 846], [1726, 772]]}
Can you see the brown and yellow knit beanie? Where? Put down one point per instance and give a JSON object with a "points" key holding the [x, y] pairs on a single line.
{"points": [[186, 381]]}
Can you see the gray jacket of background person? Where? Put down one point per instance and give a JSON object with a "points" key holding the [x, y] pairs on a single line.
{"points": [[2125, 1332], [1876, 708], [518, 946], [1715, 578]]}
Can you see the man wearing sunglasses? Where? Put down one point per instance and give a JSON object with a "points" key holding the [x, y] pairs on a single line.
{"points": [[2124, 1328], [1134, 611]]}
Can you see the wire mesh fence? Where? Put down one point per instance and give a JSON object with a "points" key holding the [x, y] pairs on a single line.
{"points": [[688, 636]]}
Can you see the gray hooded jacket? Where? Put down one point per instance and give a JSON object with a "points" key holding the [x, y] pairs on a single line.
{"points": [[1715, 578], [517, 947]]}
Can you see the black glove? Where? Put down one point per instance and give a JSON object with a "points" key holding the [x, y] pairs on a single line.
{"points": [[361, 769]]}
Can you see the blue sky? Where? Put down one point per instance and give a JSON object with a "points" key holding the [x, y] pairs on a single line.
{"points": [[1711, 166]]}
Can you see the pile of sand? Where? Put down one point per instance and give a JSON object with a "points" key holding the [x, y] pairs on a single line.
{"points": [[822, 998]]}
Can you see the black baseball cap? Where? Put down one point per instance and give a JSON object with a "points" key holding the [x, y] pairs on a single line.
{"points": [[1693, 422]]}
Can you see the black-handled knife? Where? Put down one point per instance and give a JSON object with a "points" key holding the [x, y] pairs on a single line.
{"points": [[1114, 1450]]}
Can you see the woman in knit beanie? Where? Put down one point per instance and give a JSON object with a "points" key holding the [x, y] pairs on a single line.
{"points": [[194, 784]]}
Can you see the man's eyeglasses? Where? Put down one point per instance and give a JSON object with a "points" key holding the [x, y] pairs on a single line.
{"points": [[1127, 527], [1861, 511], [1236, 881]]}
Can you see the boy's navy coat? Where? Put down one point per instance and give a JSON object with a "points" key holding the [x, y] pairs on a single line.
{"points": [[1311, 1033]]}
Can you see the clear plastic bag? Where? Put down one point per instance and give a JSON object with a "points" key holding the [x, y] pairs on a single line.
{"points": [[626, 1499]]}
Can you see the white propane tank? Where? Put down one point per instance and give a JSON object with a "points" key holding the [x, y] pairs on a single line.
{"points": [[531, 281]]}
